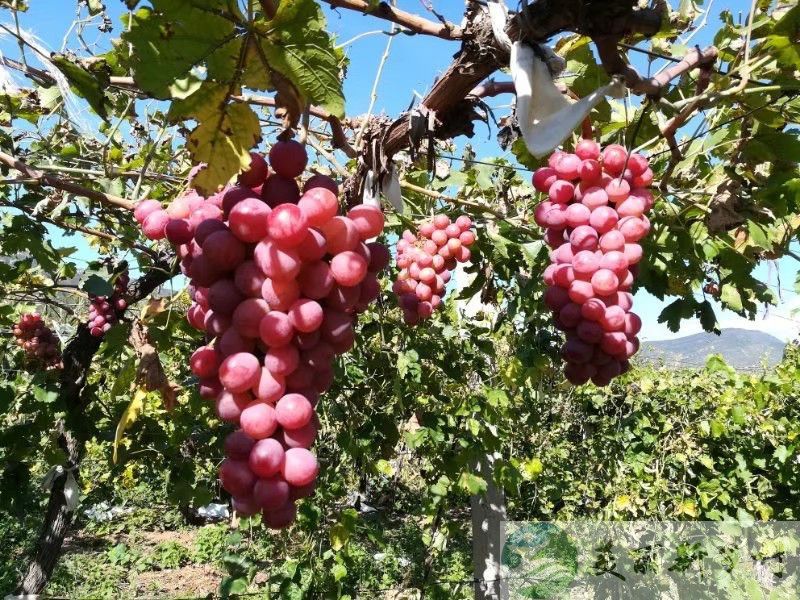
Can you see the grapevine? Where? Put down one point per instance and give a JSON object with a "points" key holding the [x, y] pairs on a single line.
{"points": [[38, 340], [426, 261], [277, 279], [594, 218]]}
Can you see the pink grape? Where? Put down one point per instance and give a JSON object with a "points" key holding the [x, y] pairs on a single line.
{"points": [[275, 262], [348, 268], [603, 219], [231, 342], [614, 157], [204, 362], [287, 225], [313, 247], [561, 192], [248, 220], [236, 477], [282, 360], [271, 386], [206, 228], [293, 411], [280, 294], [223, 250], [276, 329], [179, 231], [282, 517], [258, 420], [271, 493], [556, 298], [233, 195], [249, 279], [238, 445], [575, 350], [302, 437], [239, 372], [224, 296], [316, 280], [266, 457], [343, 298], [604, 282], [248, 315], [583, 237], [341, 235], [306, 315], [568, 166], [145, 208], [577, 215], [155, 223], [587, 149], [321, 181], [618, 190], [543, 178], [613, 319], [580, 291], [368, 220], [594, 197], [230, 406], [300, 467], [612, 240]]}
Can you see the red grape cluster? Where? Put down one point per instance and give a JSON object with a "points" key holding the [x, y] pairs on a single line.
{"points": [[425, 261], [594, 217], [38, 340], [104, 311], [277, 280]]}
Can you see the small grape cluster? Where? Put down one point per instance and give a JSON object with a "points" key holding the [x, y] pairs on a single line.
{"points": [[277, 280], [426, 260], [104, 311], [594, 218], [38, 340]]}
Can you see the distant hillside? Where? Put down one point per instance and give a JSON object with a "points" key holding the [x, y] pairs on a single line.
{"points": [[741, 348]]}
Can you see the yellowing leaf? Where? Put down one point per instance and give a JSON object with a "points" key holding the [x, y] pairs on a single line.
{"points": [[129, 416]]}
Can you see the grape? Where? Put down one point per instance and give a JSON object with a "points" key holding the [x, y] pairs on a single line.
{"points": [[280, 294], [258, 420], [293, 411], [313, 247], [321, 181], [282, 517], [223, 250], [287, 225], [246, 507], [282, 360], [368, 220], [348, 268], [266, 457], [179, 231], [256, 173], [618, 190], [343, 298], [239, 372], [316, 280], [38, 341], [248, 220], [248, 315], [204, 362], [230, 406], [238, 445], [224, 296], [288, 158], [561, 192], [319, 205], [379, 257], [306, 315], [236, 477], [341, 234], [300, 467], [232, 342], [271, 386], [210, 388], [568, 166], [145, 208], [249, 279], [275, 262], [279, 190], [276, 329], [302, 437], [233, 196], [271, 493], [587, 149], [543, 178], [204, 229], [155, 223]]}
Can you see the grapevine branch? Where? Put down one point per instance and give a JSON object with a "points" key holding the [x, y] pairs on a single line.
{"points": [[46, 179], [412, 22]]}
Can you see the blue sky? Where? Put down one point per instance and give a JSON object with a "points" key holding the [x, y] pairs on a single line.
{"points": [[413, 65]]}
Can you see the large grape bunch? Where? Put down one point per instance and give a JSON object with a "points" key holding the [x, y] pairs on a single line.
{"points": [[277, 279], [426, 259], [104, 311], [38, 340], [594, 218]]}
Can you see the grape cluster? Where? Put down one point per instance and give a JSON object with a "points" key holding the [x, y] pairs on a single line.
{"points": [[104, 311], [425, 261], [277, 279], [38, 340], [594, 218]]}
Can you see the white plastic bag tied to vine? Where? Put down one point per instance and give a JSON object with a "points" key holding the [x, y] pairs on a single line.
{"points": [[544, 115], [389, 187]]}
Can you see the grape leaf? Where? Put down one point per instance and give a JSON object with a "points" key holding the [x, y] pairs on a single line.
{"points": [[783, 41], [299, 48], [129, 416], [175, 36], [224, 134], [91, 85], [675, 312]]}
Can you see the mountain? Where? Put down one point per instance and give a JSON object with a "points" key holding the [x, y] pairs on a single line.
{"points": [[743, 349]]}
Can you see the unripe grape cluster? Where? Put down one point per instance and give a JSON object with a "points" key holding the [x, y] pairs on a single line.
{"points": [[277, 280], [426, 259], [104, 311], [594, 217], [38, 340]]}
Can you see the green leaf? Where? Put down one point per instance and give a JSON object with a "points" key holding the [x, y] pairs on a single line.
{"points": [[175, 36], [91, 85], [781, 454], [472, 484], [783, 42], [97, 286], [301, 50], [675, 312], [532, 468], [731, 298], [339, 572]]}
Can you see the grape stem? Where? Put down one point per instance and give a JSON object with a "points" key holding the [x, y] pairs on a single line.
{"points": [[412, 22]]}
